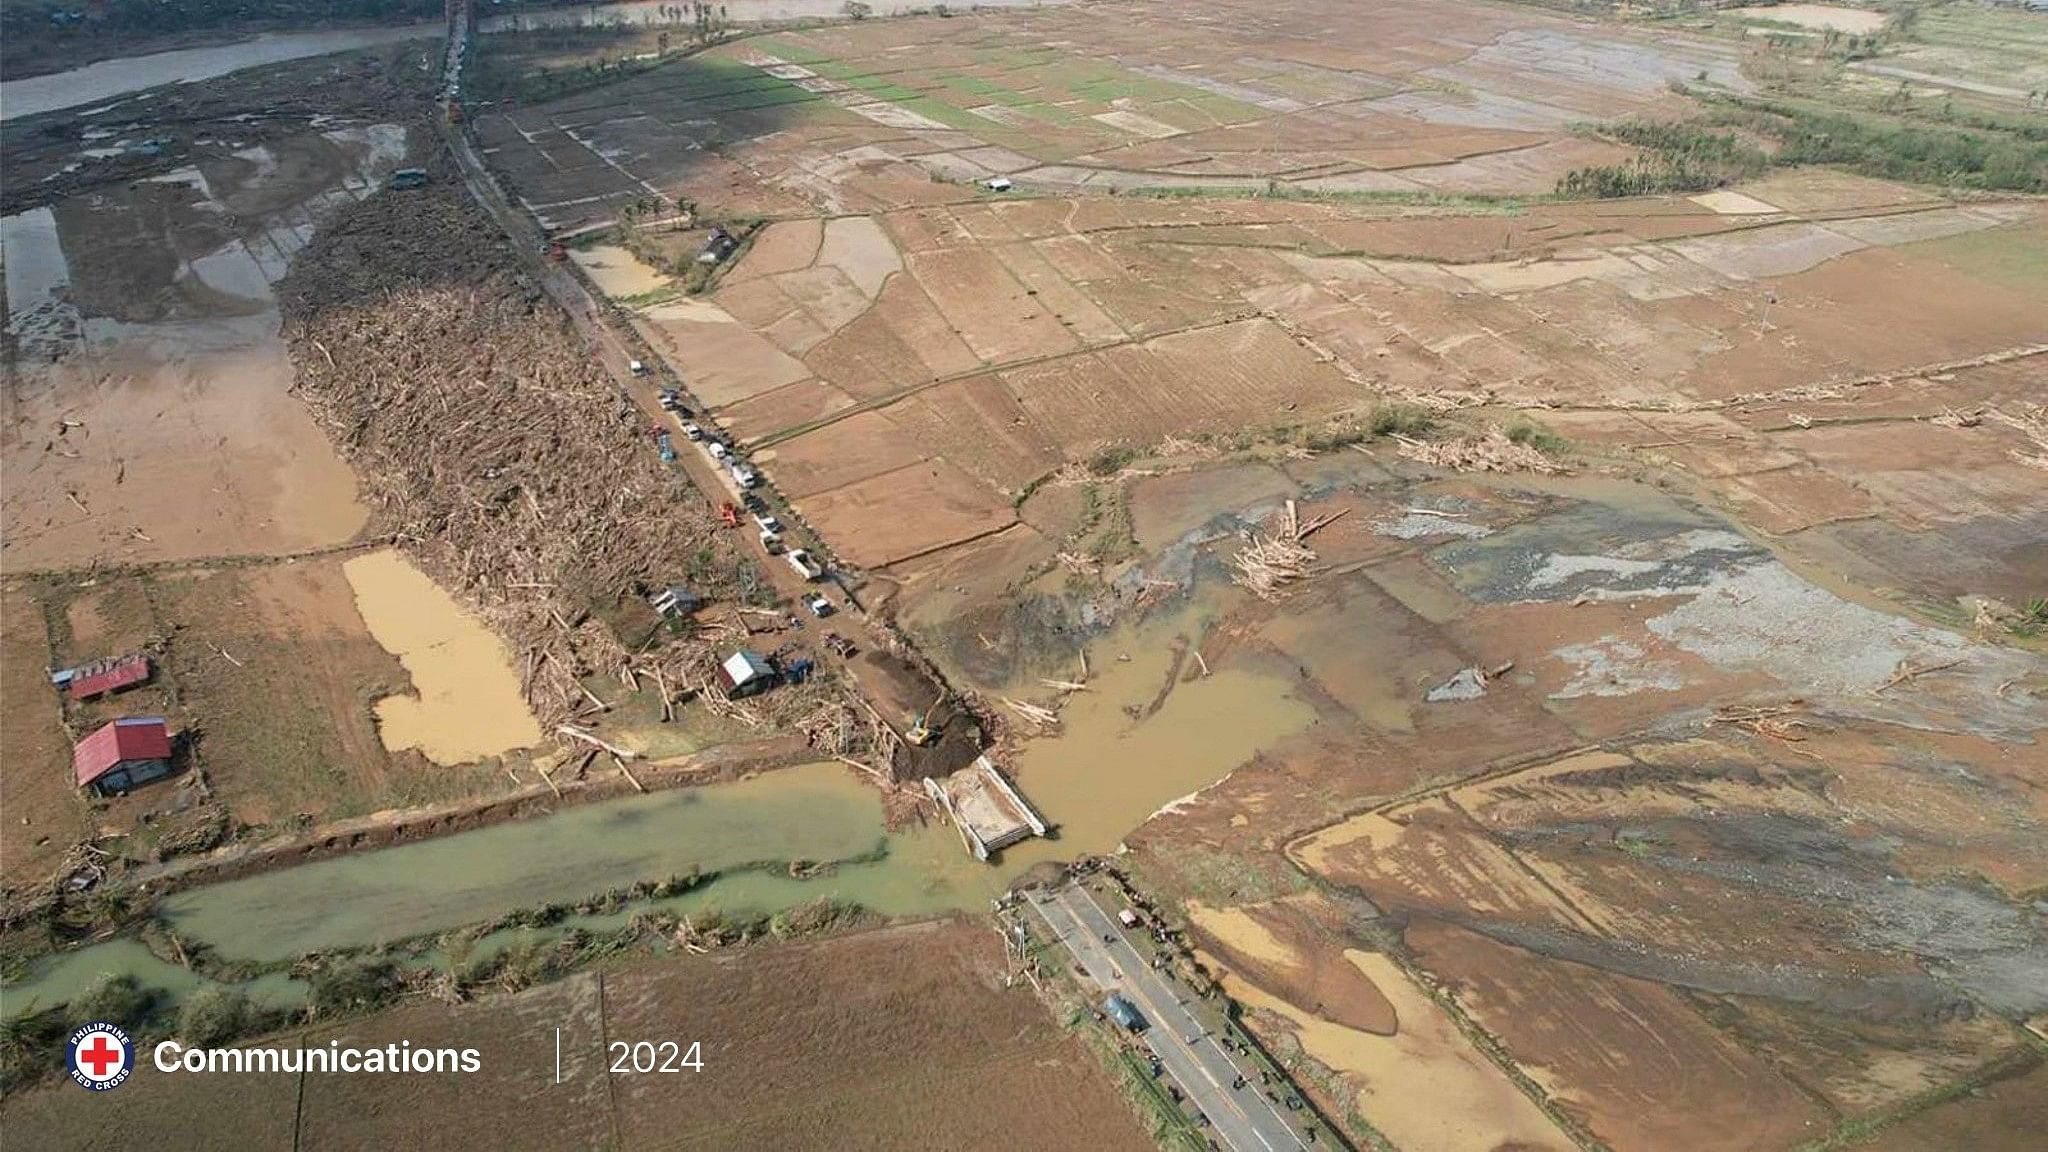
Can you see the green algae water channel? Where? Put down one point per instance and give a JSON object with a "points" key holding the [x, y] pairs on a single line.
{"points": [[817, 813]]}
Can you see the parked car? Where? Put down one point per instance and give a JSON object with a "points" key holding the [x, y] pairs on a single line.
{"points": [[770, 542], [819, 606], [671, 400], [1125, 1013], [744, 476], [801, 560], [636, 368], [718, 450], [768, 522]]}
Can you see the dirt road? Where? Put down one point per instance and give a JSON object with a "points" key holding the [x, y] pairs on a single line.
{"points": [[593, 323]]}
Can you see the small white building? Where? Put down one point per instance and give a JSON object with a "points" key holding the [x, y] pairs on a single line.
{"points": [[745, 673]]}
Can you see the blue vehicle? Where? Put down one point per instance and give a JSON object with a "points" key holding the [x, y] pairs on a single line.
{"points": [[1125, 1013], [667, 448]]}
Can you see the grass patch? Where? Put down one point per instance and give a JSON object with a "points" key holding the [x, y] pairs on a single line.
{"points": [[1398, 419], [1532, 434]]}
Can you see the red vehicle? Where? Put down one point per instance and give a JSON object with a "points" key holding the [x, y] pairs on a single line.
{"points": [[729, 515]]}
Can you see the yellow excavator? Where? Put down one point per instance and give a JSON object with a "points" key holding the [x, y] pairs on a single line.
{"points": [[921, 730]]}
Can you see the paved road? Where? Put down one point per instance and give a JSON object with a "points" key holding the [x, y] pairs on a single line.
{"points": [[1243, 1118]]}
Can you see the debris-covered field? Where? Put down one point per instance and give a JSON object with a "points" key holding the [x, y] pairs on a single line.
{"points": [[1639, 600], [1571, 667]]}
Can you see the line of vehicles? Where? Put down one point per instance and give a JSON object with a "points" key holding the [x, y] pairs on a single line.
{"points": [[744, 480]]}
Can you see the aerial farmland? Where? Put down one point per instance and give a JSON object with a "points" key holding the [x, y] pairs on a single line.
{"points": [[1494, 554]]}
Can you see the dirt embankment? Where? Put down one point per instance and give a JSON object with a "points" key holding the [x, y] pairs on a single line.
{"points": [[496, 447]]}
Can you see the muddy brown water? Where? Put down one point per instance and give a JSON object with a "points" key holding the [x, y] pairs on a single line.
{"points": [[468, 703]]}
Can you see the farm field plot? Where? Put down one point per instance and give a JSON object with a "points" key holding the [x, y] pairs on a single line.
{"points": [[873, 1054], [1166, 94]]}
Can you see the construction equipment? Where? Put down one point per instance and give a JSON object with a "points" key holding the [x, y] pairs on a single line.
{"points": [[921, 730], [666, 447], [728, 515]]}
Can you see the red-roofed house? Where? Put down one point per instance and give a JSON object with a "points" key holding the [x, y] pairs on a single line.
{"points": [[108, 676], [124, 754]]}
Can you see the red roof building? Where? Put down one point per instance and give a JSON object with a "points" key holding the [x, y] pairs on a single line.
{"points": [[110, 676], [122, 754]]}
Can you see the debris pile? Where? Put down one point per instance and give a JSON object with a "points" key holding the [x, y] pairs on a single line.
{"points": [[500, 455], [1269, 562], [1489, 451]]}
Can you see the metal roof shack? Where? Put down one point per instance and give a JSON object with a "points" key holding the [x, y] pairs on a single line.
{"points": [[107, 676], [123, 754], [745, 673]]}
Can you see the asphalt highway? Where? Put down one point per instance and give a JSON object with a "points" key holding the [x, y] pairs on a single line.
{"points": [[1244, 1119]]}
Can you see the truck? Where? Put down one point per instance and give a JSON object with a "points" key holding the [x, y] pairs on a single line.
{"points": [[802, 560], [408, 178], [1124, 1013], [744, 476]]}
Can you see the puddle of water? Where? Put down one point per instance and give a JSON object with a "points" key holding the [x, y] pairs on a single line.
{"points": [[617, 272], [36, 268], [469, 704], [818, 812]]}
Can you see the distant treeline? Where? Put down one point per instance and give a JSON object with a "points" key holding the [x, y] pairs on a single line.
{"points": [[1740, 138]]}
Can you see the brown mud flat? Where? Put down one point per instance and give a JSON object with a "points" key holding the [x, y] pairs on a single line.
{"points": [[825, 1043], [1724, 929]]}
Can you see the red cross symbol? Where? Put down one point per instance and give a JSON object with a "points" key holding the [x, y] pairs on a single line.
{"points": [[99, 1055]]}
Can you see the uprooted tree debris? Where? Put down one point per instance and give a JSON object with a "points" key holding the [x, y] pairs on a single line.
{"points": [[1269, 562], [501, 456], [1489, 451]]}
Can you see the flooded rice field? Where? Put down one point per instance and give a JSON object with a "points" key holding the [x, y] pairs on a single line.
{"points": [[467, 702]]}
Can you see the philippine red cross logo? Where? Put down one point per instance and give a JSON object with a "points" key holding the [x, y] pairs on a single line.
{"points": [[101, 1057]]}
